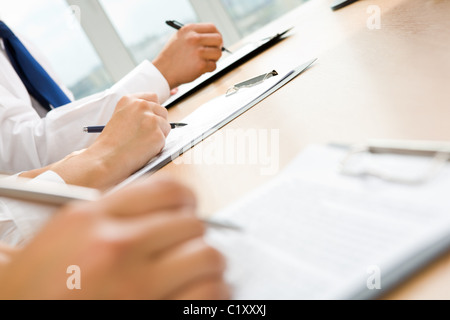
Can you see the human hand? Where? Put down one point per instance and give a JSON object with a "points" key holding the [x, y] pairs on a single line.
{"points": [[191, 52], [143, 242], [135, 134]]}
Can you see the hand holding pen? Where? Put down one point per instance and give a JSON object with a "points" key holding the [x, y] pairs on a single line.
{"points": [[193, 51], [177, 25]]}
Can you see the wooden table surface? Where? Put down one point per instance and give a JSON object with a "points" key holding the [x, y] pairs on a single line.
{"points": [[389, 83]]}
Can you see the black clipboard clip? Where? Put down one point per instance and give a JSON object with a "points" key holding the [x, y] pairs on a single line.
{"points": [[250, 83]]}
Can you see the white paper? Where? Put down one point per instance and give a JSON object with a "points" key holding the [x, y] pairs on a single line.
{"points": [[204, 121], [313, 233]]}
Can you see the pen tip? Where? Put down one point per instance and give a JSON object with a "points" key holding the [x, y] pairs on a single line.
{"points": [[178, 125]]}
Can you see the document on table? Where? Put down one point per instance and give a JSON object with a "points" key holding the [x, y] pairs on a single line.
{"points": [[224, 65], [212, 116], [313, 233]]}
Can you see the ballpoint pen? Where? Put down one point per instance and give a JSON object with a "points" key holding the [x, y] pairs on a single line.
{"points": [[50, 193], [177, 25], [338, 4], [99, 129]]}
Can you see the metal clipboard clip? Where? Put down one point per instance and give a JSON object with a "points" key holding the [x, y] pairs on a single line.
{"points": [[250, 83], [439, 152]]}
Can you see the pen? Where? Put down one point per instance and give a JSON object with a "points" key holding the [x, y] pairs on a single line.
{"points": [[338, 4], [99, 129], [177, 25], [50, 193]]}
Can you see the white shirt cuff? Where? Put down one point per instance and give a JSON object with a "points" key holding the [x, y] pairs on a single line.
{"points": [[50, 176], [21, 220], [144, 78]]}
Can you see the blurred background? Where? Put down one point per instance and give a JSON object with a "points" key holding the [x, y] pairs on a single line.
{"points": [[93, 43]]}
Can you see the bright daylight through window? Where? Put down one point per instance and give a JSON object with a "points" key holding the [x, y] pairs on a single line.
{"points": [[52, 27]]}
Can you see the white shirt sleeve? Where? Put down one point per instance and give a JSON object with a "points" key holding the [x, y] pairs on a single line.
{"points": [[21, 220], [28, 142]]}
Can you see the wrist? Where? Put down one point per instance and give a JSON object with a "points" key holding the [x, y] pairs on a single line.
{"points": [[85, 168], [164, 68], [33, 173]]}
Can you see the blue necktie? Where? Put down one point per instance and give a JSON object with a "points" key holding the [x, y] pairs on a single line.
{"points": [[37, 81]]}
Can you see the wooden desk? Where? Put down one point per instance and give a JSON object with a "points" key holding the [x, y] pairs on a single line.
{"points": [[387, 83]]}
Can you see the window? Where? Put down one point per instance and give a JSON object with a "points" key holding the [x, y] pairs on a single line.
{"points": [[116, 35], [141, 23], [49, 25], [248, 16]]}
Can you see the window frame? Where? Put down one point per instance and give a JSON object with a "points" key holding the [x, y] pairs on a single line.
{"points": [[114, 54]]}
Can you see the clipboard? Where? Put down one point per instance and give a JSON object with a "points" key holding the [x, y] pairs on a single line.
{"points": [[223, 110], [327, 235], [224, 66]]}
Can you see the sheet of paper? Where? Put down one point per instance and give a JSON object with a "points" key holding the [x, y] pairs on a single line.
{"points": [[206, 120], [212, 116], [313, 233]]}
